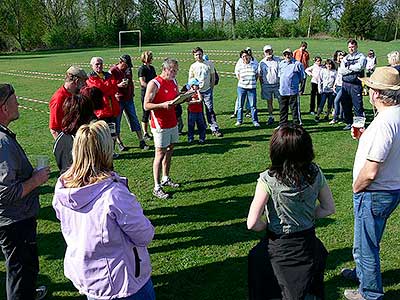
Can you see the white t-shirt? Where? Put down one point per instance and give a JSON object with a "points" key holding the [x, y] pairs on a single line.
{"points": [[380, 142], [202, 72], [247, 75]]}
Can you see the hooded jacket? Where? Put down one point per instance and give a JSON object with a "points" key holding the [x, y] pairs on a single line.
{"points": [[106, 235]]}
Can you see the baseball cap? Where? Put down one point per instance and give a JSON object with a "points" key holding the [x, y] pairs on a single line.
{"points": [[193, 81], [76, 71], [247, 49], [126, 59], [267, 47], [287, 50]]}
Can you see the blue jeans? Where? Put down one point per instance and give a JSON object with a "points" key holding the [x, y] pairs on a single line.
{"points": [[208, 99], [338, 113], [130, 114], [252, 100], [324, 96], [371, 211], [145, 293], [193, 119]]}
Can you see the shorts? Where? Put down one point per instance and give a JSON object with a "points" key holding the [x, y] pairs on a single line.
{"points": [[164, 137], [268, 92]]}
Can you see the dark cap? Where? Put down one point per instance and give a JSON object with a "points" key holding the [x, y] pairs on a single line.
{"points": [[126, 59]]}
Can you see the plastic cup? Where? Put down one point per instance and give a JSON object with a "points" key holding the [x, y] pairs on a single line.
{"points": [[358, 124], [112, 128], [42, 161]]}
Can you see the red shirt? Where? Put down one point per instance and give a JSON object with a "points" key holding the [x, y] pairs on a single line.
{"points": [[167, 90], [107, 86], [195, 107], [123, 94], [56, 108]]}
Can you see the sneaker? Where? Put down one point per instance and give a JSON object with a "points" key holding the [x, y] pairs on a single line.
{"points": [[333, 122], [41, 292], [218, 133], [147, 137], [233, 116], [170, 183], [256, 124], [347, 127], [160, 194], [122, 147], [115, 155], [349, 274], [143, 145], [238, 123], [248, 115], [312, 113], [316, 119], [201, 142], [190, 141], [270, 121], [353, 295]]}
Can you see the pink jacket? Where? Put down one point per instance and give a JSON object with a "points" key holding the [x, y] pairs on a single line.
{"points": [[107, 237]]}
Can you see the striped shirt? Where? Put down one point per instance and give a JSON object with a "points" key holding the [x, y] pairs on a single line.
{"points": [[247, 74]]}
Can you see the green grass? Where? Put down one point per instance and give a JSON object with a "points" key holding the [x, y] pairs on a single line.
{"points": [[201, 242]]}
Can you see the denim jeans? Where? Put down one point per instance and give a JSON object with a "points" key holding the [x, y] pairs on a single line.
{"points": [[237, 105], [193, 119], [252, 100], [324, 96], [208, 99], [371, 211], [338, 113], [130, 114], [18, 243], [145, 293]]}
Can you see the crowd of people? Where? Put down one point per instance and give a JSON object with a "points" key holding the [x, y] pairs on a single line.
{"points": [[108, 259]]}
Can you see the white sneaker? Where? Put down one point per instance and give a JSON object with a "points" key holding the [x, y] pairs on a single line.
{"points": [[238, 124], [170, 183], [256, 124], [160, 194]]}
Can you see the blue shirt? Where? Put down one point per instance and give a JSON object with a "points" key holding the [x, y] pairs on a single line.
{"points": [[291, 73]]}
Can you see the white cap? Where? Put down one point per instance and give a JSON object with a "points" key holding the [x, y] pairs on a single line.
{"points": [[267, 47]]}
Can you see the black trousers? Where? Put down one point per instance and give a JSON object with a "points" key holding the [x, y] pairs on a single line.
{"points": [[314, 94], [18, 243], [285, 102]]}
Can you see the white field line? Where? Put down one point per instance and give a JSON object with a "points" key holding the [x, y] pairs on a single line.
{"points": [[31, 76], [36, 73], [32, 100], [34, 109]]}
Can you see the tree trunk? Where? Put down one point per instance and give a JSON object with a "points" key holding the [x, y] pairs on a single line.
{"points": [[223, 12], [201, 14], [214, 18]]}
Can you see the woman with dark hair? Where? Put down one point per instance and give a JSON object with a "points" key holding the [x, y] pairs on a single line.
{"points": [[78, 110], [293, 257], [327, 77]]}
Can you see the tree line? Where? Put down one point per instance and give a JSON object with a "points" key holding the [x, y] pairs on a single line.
{"points": [[60, 24]]}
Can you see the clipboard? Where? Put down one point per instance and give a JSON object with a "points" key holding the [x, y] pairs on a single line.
{"points": [[183, 97]]}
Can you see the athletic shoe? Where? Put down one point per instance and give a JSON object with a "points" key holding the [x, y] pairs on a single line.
{"points": [[233, 116], [170, 183], [122, 147], [160, 194], [248, 115], [147, 137], [218, 133], [347, 127], [238, 124], [316, 119], [115, 155], [270, 121], [353, 295], [333, 122], [201, 142], [312, 113], [190, 141], [349, 274], [41, 292], [143, 145], [256, 124]]}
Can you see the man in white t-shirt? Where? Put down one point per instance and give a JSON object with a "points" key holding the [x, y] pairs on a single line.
{"points": [[376, 182], [204, 72]]}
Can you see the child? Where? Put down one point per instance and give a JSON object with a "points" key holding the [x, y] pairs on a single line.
{"points": [[371, 63], [338, 114], [313, 71], [292, 258], [326, 82], [195, 113]]}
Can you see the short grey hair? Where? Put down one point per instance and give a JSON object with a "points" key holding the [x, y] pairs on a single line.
{"points": [[95, 59], [168, 63], [389, 97], [394, 58]]}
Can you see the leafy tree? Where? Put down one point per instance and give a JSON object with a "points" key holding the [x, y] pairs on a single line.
{"points": [[358, 18]]}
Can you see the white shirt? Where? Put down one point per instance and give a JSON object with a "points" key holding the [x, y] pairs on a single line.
{"points": [[380, 142], [313, 71], [327, 80], [247, 75], [269, 71], [202, 72]]}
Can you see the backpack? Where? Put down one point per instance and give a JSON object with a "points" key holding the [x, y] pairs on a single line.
{"points": [[216, 81]]}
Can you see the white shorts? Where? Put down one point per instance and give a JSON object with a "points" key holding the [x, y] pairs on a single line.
{"points": [[164, 137]]}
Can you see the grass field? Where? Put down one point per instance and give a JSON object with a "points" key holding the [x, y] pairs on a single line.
{"points": [[200, 248]]}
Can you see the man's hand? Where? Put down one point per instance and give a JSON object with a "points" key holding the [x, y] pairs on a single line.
{"points": [[168, 104], [41, 176], [356, 135]]}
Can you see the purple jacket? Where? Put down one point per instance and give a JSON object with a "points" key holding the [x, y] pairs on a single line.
{"points": [[106, 235]]}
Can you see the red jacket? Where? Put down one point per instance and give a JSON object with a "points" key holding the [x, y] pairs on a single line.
{"points": [[107, 86]]}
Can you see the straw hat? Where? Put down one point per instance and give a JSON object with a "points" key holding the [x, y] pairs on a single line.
{"points": [[383, 78]]}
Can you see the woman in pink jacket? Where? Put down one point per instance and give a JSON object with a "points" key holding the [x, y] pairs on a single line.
{"points": [[102, 223]]}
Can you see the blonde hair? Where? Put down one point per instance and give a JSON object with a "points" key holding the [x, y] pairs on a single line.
{"points": [[146, 56], [91, 156], [394, 58], [95, 59]]}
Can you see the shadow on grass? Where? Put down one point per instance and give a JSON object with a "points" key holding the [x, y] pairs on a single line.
{"points": [[224, 280]]}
